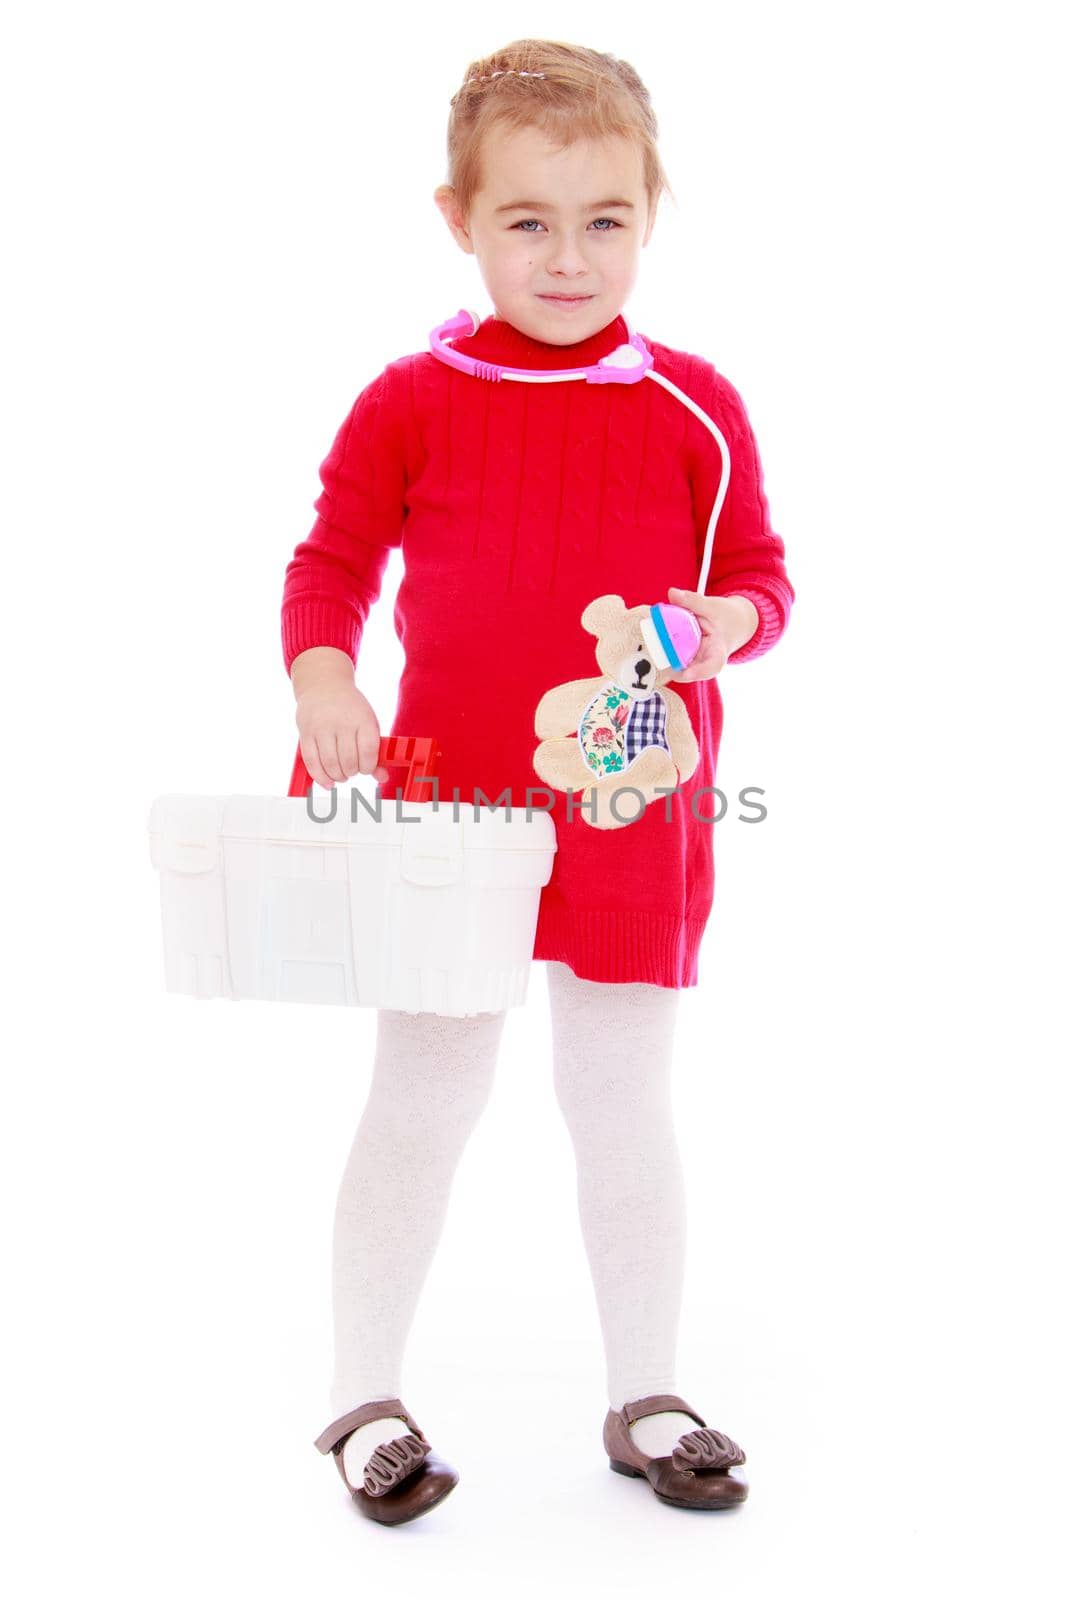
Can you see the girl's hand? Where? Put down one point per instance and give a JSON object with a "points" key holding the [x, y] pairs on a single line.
{"points": [[339, 733], [727, 622]]}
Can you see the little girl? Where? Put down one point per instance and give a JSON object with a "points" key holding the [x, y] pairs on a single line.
{"points": [[517, 504]]}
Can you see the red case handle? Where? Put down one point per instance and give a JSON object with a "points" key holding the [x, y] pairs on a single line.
{"points": [[418, 756]]}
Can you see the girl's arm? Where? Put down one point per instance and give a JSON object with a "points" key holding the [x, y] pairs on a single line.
{"points": [[335, 574], [748, 559]]}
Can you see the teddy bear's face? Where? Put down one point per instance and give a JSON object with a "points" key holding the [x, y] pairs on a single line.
{"points": [[620, 651], [635, 671]]}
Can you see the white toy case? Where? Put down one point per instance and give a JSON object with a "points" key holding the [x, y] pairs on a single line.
{"points": [[435, 912]]}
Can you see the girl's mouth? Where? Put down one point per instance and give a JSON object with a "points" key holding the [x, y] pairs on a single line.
{"points": [[566, 302]]}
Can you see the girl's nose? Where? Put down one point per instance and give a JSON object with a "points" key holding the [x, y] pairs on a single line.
{"points": [[567, 256]]}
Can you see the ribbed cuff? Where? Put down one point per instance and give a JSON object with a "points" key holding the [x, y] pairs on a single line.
{"points": [[620, 946], [770, 627], [306, 624]]}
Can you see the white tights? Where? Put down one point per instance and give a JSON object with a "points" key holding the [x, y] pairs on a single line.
{"points": [[431, 1081]]}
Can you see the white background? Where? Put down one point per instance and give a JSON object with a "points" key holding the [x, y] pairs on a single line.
{"points": [[221, 226]]}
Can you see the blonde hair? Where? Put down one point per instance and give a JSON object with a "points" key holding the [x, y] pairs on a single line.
{"points": [[567, 91]]}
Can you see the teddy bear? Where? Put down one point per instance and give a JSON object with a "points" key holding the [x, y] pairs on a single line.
{"points": [[624, 731]]}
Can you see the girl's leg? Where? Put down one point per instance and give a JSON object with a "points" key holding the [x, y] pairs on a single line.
{"points": [[613, 1049], [431, 1081]]}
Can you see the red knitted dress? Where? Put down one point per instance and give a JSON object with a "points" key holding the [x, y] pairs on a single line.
{"points": [[515, 505]]}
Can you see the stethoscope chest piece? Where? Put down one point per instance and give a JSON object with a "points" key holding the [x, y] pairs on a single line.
{"points": [[671, 637]]}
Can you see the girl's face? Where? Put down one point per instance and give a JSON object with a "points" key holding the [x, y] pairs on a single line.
{"points": [[550, 222]]}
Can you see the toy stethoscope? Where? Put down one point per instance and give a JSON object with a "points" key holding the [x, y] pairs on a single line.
{"points": [[671, 634]]}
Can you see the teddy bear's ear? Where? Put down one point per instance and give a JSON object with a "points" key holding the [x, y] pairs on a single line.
{"points": [[600, 614]]}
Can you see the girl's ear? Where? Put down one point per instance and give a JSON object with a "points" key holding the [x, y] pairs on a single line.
{"points": [[444, 195]]}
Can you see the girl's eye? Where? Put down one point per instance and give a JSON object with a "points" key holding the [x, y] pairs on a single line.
{"points": [[610, 220]]}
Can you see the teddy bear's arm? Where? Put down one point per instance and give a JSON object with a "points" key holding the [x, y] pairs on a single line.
{"points": [[679, 734], [558, 710]]}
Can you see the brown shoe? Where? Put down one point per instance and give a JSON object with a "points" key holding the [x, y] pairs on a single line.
{"points": [[403, 1478], [702, 1471]]}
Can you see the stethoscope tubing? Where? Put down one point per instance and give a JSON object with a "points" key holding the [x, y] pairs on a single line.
{"points": [[464, 323]]}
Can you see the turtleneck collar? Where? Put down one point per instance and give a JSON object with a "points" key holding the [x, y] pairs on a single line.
{"points": [[501, 342]]}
